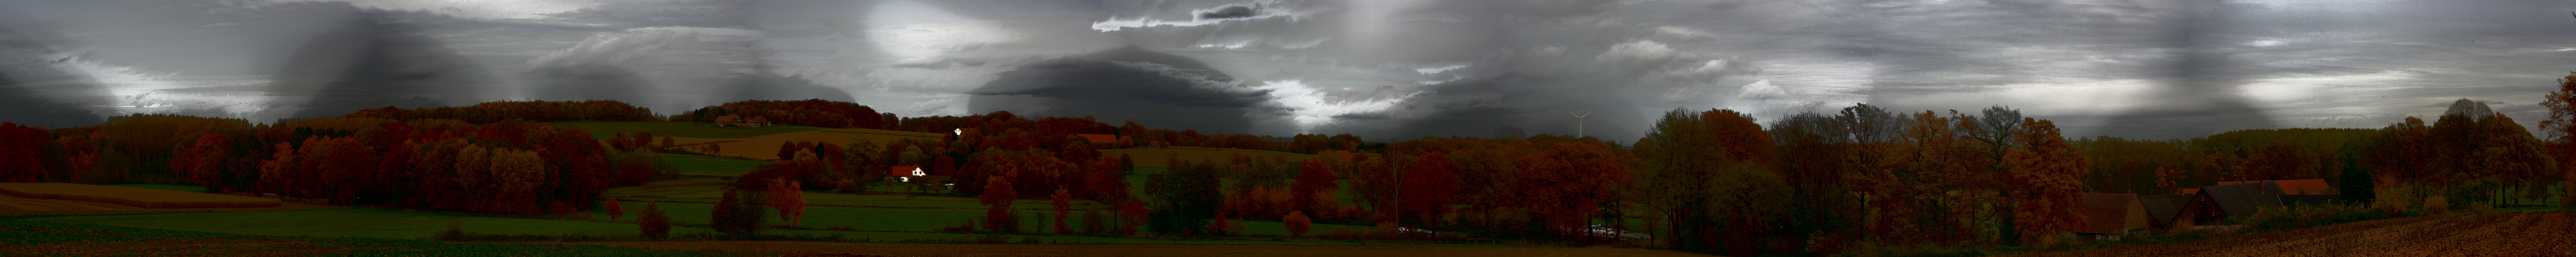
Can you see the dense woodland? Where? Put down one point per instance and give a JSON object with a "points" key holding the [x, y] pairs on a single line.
{"points": [[1716, 181]]}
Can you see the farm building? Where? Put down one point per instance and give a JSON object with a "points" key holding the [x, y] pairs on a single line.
{"points": [[2161, 209], [2295, 192], [2218, 202], [905, 171], [2111, 215]]}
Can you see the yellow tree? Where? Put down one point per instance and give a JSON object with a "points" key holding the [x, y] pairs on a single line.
{"points": [[2045, 183]]}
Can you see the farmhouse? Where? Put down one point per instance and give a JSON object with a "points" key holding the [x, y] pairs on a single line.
{"points": [[2111, 215], [2161, 209], [2220, 201], [904, 173]]}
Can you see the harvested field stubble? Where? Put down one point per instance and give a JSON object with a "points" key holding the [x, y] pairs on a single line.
{"points": [[2483, 234], [827, 248]]}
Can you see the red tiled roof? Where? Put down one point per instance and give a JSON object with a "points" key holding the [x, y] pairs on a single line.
{"points": [[2294, 187], [1099, 138], [2106, 213], [903, 171]]}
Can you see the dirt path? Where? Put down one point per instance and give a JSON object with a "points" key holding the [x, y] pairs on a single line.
{"points": [[880, 249], [2488, 234]]}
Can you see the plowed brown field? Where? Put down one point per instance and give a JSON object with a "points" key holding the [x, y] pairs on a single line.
{"points": [[877, 249], [2487, 234]]}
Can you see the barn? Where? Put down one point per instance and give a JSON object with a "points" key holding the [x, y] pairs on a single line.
{"points": [[2110, 216]]}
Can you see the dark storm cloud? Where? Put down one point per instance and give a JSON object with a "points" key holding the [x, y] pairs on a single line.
{"points": [[374, 59], [1230, 12], [33, 91], [1117, 85]]}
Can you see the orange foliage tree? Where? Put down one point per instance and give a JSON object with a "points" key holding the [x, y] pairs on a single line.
{"points": [[786, 197], [2044, 179]]}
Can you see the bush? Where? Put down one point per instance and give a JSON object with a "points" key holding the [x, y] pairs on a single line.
{"points": [[2436, 205], [1297, 223], [455, 231]]}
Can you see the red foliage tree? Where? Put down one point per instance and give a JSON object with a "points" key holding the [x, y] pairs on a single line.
{"points": [[998, 193], [204, 161], [654, 224], [1428, 188], [614, 211], [1314, 180], [1063, 200], [21, 153]]}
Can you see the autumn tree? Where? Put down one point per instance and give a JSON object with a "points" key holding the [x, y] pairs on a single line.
{"points": [[1569, 183], [615, 211], [1063, 200], [2278, 161], [21, 153], [1429, 188], [787, 197], [2560, 132], [736, 215], [1313, 190], [654, 224], [998, 193], [204, 161], [1185, 198], [2043, 177]]}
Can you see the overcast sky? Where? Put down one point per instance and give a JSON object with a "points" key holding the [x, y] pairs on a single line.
{"points": [[1382, 69]]}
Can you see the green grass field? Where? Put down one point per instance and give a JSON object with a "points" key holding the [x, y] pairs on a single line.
{"points": [[33, 238], [180, 188], [355, 222], [605, 129], [397, 224], [701, 165]]}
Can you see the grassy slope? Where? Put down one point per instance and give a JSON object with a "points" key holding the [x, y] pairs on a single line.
{"points": [[604, 129], [180, 188]]}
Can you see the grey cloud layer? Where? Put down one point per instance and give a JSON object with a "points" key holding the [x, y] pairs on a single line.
{"points": [[1383, 69]]}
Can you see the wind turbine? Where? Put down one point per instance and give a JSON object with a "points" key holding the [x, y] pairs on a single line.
{"points": [[1578, 123]]}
